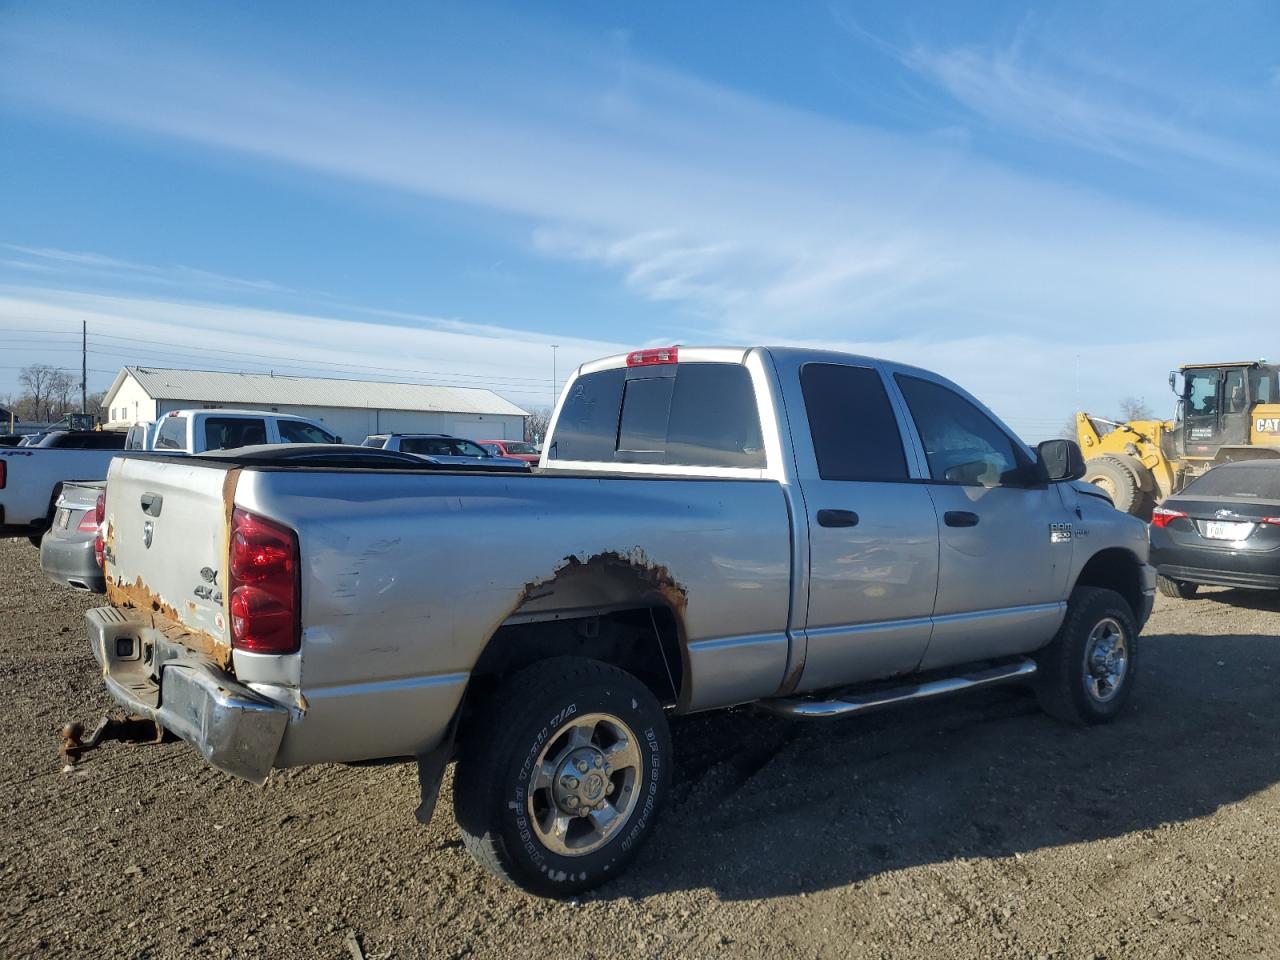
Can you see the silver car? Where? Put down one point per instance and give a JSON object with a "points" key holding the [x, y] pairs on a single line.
{"points": [[67, 550]]}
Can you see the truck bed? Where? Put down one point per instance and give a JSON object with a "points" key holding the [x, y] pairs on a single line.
{"points": [[405, 574]]}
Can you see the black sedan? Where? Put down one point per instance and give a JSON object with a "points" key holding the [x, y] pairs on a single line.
{"points": [[1222, 529]]}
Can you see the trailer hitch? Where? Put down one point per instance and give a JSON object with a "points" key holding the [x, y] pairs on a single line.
{"points": [[128, 729]]}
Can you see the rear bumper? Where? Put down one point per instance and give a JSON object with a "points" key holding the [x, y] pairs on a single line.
{"points": [[235, 729], [71, 562], [1221, 578], [1250, 569]]}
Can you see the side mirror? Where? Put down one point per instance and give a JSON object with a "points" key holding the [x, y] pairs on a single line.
{"points": [[1062, 459]]}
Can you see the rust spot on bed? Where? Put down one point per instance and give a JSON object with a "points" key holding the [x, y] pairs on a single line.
{"points": [[610, 564]]}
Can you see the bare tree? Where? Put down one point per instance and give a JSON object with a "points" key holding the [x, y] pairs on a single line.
{"points": [[536, 424], [62, 390], [48, 392], [35, 380], [1135, 408]]}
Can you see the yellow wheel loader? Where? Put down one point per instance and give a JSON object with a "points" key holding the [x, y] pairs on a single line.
{"points": [[1225, 411]]}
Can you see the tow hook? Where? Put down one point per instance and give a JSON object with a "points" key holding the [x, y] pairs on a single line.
{"points": [[129, 729]]}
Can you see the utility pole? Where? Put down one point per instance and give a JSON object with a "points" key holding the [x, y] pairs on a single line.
{"points": [[84, 366], [554, 348]]}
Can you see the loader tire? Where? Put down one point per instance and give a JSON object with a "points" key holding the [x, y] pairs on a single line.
{"points": [[1117, 481]]}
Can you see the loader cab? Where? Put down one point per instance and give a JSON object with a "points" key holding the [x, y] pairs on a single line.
{"points": [[1216, 406]]}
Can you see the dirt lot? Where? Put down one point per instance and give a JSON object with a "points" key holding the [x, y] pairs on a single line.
{"points": [[974, 828]]}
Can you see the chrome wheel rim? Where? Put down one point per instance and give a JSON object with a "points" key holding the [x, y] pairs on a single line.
{"points": [[1106, 660], [585, 784]]}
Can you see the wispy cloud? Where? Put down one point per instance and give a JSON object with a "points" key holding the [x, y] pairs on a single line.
{"points": [[1074, 104], [95, 265]]}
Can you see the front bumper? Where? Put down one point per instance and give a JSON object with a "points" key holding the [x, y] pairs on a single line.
{"points": [[236, 730]]}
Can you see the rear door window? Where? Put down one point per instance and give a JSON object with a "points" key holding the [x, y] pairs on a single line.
{"points": [[173, 434], [228, 433], [855, 434]]}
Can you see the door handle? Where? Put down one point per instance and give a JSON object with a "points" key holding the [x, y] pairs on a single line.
{"points": [[960, 518], [837, 518], [152, 503]]}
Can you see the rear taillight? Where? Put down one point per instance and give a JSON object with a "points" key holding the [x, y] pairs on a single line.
{"points": [[4, 474], [99, 514], [649, 358], [1274, 521], [265, 616], [1163, 516]]}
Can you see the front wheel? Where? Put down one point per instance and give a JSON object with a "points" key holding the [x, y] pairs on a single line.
{"points": [[560, 782], [1177, 588], [1086, 674]]}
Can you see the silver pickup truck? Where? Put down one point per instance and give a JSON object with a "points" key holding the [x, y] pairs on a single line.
{"points": [[813, 533]]}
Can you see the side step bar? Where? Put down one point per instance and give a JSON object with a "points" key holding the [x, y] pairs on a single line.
{"points": [[850, 702]]}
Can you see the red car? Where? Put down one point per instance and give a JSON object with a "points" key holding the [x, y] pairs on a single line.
{"points": [[516, 449]]}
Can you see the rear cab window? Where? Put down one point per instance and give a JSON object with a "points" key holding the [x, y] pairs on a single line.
{"points": [[688, 414], [172, 434]]}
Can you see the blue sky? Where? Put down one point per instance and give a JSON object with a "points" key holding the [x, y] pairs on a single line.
{"points": [[1052, 204]]}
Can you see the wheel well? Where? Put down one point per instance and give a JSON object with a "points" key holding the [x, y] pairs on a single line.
{"points": [[644, 641], [1115, 569]]}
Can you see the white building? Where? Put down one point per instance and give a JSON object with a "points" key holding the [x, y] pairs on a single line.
{"points": [[353, 409]]}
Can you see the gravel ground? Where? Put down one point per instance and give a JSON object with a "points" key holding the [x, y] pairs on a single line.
{"points": [[971, 828]]}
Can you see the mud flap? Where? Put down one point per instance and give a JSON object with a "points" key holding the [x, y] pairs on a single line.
{"points": [[431, 767]]}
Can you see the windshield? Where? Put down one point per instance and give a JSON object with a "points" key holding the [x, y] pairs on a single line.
{"points": [[1202, 392]]}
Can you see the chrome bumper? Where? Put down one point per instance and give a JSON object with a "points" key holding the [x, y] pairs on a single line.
{"points": [[235, 729]]}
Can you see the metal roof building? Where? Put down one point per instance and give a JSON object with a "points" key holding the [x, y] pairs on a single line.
{"points": [[351, 408]]}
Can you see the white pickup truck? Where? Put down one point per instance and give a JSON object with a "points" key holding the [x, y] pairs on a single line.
{"points": [[814, 533], [31, 477]]}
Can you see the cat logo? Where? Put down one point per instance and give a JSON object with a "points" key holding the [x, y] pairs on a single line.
{"points": [[1266, 425]]}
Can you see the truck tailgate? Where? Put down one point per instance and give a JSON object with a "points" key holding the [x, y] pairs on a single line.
{"points": [[166, 547]]}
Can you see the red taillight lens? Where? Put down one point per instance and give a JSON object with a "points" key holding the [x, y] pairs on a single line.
{"points": [[99, 514], [1162, 516], [648, 358], [265, 615], [88, 523], [4, 474]]}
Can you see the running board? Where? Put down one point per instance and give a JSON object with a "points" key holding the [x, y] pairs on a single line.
{"points": [[801, 708]]}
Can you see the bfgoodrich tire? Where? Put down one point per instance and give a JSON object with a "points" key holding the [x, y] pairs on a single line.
{"points": [[1086, 674], [561, 780]]}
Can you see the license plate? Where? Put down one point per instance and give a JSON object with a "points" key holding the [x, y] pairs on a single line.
{"points": [[1227, 530], [64, 517]]}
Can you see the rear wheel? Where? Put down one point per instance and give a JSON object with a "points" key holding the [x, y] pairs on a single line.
{"points": [[1117, 481], [560, 782], [1177, 588], [1086, 673]]}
